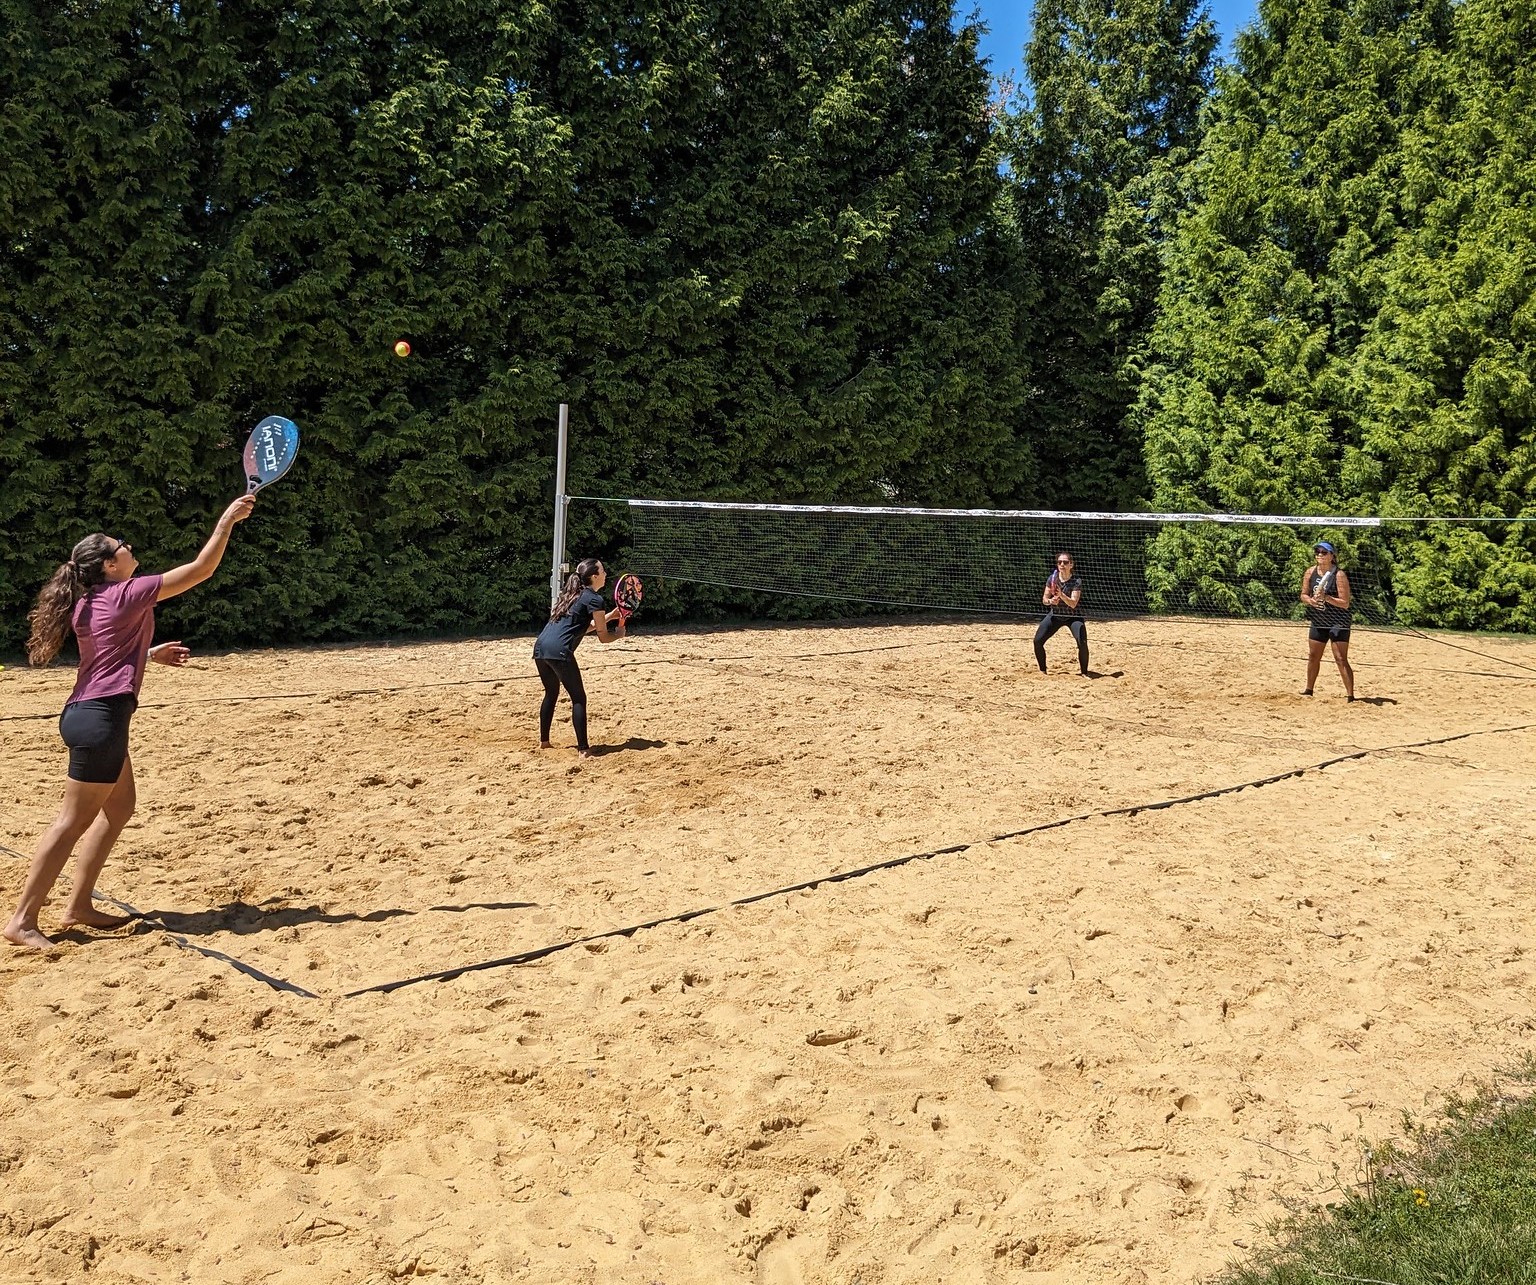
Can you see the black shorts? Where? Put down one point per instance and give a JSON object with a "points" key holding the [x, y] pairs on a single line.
{"points": [[1328, 633], [96, 732]]}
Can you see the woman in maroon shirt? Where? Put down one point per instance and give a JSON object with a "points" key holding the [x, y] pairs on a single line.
{"points": [[112, 613]]}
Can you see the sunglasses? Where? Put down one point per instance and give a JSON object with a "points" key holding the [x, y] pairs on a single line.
{"points": [[121, 545], [1063, 562]]}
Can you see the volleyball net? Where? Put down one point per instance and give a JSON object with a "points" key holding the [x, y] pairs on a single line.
{"points": [[997, 561]]}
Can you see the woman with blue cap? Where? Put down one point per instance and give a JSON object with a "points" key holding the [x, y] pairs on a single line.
{"points": [[1325, 592]]}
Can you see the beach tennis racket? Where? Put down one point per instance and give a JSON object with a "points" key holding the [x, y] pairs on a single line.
{"points": [[627, 593], [269, 452], [1055, 583]]}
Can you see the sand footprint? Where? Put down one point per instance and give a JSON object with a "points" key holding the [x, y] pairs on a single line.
{"points": [[778, 1264]]}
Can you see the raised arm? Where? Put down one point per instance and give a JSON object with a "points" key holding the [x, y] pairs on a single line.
{"points": [[180, 579]]}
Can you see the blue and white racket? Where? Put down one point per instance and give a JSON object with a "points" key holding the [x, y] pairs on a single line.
{"points": [[269, 452]]}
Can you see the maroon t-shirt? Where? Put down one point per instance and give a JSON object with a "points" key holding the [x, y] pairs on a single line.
{"points": [[114, 624]]}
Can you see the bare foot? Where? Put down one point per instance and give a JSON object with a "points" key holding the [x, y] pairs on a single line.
{"points": [[27, 936], [585, 754], [93, 918], [545, 745]]}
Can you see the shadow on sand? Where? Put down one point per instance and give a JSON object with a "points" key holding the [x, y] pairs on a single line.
{"points": [[242, 918], [633, 743]]}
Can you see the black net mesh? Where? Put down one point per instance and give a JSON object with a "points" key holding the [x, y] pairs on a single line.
{"points": [[998, 562]]}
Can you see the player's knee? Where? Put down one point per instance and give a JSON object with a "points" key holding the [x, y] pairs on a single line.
{"points": [[72, 824], [119, 808]]}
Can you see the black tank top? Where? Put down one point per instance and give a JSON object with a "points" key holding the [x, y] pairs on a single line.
{"points": [[1326, 583]]}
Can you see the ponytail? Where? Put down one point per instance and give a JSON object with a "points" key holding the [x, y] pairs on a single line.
{"points": [[574, 584], [56, 603]]}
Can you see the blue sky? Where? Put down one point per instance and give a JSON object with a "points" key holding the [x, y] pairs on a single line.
{"points": [[1009, 20]]}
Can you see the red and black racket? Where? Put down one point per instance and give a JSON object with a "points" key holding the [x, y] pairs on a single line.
{"points": [[627, 593]]}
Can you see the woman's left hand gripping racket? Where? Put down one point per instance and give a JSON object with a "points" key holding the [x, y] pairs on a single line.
{"points": [[627, 592], [269, 452]]}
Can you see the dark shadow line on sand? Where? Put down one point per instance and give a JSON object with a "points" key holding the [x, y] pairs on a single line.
{"points": [[239, 965], [216, 918], [633, 743], [158, 921]]}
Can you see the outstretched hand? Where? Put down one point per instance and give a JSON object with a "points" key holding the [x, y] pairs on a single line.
{"points": [[171, 653]]}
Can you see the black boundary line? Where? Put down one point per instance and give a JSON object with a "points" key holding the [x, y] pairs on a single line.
{"points": [[529, 956], [276, 983], [341, 693], [344, 692], [240, 966], [298, 696], [1486, 655]]}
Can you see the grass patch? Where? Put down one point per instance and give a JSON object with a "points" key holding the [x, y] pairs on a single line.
{"points": [[1455, 1204]]}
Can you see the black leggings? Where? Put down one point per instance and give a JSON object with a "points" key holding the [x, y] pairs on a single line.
{"points": [[554, 673], [1049, 626]]}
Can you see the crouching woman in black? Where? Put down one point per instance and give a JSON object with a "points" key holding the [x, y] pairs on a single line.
{"points": [[577, 612], [1063, 593]]}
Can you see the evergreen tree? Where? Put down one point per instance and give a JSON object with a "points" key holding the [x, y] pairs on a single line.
{"points": [[221, 210], [1114, 114], [1341, 325], [756, 245], [1275, 275], [1446, 379], [802, 292]]}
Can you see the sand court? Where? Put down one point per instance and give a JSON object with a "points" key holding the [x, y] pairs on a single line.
{"points": [[1101, 1051]]}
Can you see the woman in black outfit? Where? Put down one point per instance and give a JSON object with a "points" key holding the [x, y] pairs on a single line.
{"points": [[577, 612], [1325, 592], [1063, 593]]}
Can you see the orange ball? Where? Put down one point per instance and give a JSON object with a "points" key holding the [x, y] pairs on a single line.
{"points": [[402, 349]]}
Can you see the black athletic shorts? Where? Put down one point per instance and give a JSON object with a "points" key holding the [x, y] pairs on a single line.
{"points": [[96, 732], [1326, 633]]}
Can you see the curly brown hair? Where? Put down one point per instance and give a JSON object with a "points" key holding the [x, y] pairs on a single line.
{"points": [[56, 603]]}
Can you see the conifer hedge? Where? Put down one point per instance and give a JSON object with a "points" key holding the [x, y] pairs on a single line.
{"points": [[765, 249], [1347, 321], [753, 242]]}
